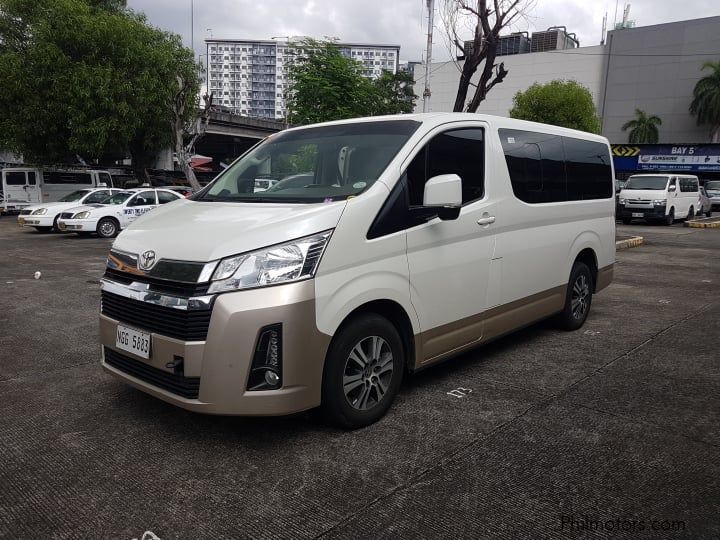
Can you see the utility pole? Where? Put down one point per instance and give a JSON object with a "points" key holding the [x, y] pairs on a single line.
{"points": [[192, 26], [428, 56]]}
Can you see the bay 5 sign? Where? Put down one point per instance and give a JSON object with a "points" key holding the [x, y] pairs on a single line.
{"points": [[384, 246]]}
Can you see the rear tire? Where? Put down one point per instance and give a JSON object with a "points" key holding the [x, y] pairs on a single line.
{"points": [[578, 298], [363, 370], [107, 228], [670, 218], [43, 230]]}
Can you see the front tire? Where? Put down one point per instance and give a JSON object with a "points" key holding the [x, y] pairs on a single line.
{"points": [[578, 298], [363, 371], [670, 218], [691, 214], [107, 228]]}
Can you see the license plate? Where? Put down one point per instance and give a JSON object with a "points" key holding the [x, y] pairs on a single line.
{"points": [[134, 341], [637, 214]]}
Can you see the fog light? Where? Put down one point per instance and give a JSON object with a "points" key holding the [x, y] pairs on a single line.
{"points": [[271, 378], [266, 369]]}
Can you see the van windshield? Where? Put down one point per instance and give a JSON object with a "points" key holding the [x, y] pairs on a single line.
{"points": [[713, 185], [646, 182], [314, 164], [75, 195]]}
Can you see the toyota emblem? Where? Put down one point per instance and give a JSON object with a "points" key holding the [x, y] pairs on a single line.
{"points": [[147, 260]]}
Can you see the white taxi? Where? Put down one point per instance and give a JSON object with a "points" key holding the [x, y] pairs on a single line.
{"points": [[44, 216], [114, 213]]}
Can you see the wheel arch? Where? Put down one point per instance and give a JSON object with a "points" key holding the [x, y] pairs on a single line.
{"points": [[585, 249]]}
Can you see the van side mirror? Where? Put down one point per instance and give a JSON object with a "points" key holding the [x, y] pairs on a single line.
{"points": [[444, 192], [672, 187]]}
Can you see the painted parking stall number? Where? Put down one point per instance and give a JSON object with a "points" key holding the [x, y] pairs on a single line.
{"points": [[459, 392]]}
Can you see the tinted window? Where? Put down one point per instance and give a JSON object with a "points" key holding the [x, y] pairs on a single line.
{"points": [[105, 178], [549, 168], [688, 184], [587, 166], [31, 178], [166, 197], [61, 177], [15, 178], [460, 152], [535, 164], [143, 198]]}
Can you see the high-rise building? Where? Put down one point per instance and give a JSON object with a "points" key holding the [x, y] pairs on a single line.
{"points": [[251, 77]]}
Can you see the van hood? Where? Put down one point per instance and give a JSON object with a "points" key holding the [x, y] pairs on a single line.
{"points": [[647, 194], [189, 230], [53, 205]]}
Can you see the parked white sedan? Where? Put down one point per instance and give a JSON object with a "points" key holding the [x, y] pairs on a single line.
{"points": [[44, 216], [114, 213]]}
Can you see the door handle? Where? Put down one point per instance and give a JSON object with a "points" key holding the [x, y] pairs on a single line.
{"points": [[486, 220]]}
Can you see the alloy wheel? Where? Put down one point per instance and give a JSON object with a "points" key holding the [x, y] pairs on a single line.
{"points": [[368, 372], [580, 296]]}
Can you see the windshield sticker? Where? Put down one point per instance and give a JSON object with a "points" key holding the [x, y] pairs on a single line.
{"points": [[511, 140], [359, 185]]}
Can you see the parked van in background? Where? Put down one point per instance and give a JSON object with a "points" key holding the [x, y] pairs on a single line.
{"points": [[24, 186], [659, 197], [412, 238]]}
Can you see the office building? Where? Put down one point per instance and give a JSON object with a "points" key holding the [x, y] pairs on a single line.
{"points": [[252, 77]]}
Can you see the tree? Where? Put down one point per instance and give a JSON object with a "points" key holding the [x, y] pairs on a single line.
{"points": [[187, 132], [706, 100], [325, 85], [560, 103], [643, 128], [486, 22], [87, 78], [395, 93]]}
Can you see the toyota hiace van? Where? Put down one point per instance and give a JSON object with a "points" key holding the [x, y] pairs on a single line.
{"points": [[659, 197], [400, 242]]}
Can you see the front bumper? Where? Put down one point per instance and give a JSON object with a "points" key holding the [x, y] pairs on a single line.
{"points": [[656, 212], [35, 221], [222, 362], [77, 225]]}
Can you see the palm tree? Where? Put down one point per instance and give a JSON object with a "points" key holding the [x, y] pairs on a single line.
{"points": [[706, 101], [643, 128]]}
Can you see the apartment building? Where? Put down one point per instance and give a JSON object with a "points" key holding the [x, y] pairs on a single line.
{"points": [[252, 77]]}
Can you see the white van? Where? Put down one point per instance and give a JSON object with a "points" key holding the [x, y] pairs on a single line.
{"points": [[660, 197], [413, 238], [25, 186]]}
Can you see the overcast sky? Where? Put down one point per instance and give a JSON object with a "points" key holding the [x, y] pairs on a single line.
{"points": [[401, 22]]}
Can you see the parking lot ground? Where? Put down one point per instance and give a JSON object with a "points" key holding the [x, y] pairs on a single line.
{"points": [[610, 431]]}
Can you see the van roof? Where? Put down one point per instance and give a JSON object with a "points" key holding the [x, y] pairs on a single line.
{"points": [[433, 119], [663, 173]]}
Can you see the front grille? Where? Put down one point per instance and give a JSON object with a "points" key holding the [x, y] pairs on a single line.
{"points": [[187, 387], [66, 215], [174, 288], [639, 201], [186, 325]]}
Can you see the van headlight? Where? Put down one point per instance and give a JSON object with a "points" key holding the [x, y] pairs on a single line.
{"points": [[659, 202], [282, 263], [39, 212], [621, 200], [81, 215]]}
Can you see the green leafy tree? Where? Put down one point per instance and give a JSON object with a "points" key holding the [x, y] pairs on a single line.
{"points": [[643, 128], [325, 85], [706, 100], [395, 93], [560, 103], [90, 79]]}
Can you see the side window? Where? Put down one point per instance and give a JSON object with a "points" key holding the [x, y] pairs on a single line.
{"points": [[587, 165], [105, 178], [144, 198], [166, 197], [673, 182], [67, 177], [15, 178], [31, 178], [458, 151], [535, 162]]}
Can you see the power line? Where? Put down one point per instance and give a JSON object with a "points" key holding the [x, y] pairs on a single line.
{"points": [[641, 55]]}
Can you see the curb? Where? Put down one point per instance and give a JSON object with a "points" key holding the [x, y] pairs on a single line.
{"points": [[706, 223], [628, 243]]}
